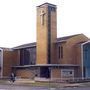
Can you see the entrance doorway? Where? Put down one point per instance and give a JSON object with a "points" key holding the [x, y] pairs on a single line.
{"points": [[44, 72], [1, 63], [86, 60]]}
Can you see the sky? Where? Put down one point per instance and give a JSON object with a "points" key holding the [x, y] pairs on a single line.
{"points": [[18, 20]]}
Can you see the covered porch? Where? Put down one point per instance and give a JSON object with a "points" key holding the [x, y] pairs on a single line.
{"points": [[46, 71]]}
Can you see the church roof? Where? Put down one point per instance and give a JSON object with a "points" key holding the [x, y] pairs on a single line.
{"points": [[59, 40], [25, 45], [47, 4], [66, 37]]}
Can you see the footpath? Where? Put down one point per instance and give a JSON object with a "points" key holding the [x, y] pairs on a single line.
{"points": [[25, 82]]}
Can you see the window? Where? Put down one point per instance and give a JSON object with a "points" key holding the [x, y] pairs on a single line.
{"points": [[21, 57], [28, 56], [60, 52]]}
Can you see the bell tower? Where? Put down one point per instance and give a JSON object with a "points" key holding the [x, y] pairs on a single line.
{"points": [[46, 33]]}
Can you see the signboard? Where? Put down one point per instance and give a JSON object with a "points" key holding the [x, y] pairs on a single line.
{"points": [[67, 73]]}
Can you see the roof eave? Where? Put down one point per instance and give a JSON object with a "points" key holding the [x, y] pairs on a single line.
{"points": [[47, 65]]}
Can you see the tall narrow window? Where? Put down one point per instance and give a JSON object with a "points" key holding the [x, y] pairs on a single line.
{"points": [[60, 52], [26, 56], [21, 57]]}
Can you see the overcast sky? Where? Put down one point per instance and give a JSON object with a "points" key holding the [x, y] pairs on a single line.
{"points": [[18, 19]]}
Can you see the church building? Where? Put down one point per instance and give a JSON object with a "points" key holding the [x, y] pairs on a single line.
{"points": [[49, 57]]}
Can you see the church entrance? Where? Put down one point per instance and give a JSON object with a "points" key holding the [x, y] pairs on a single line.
{"points": [[44, 72], [1, 63], [86, 60]]}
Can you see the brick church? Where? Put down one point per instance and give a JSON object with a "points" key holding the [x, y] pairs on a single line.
{"points": [[50, 57]]}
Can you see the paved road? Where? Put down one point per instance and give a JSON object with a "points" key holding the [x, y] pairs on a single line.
{"points": [[79, 88], [16, 87], [20, 87]]}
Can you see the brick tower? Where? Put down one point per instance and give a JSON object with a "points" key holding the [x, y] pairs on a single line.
{"points": [[46, 34]]}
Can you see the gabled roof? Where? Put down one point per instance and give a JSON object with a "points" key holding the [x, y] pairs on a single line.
{"points": [[67, 37], [47, 4], [5, 49], [59, 40], [26, 45]]}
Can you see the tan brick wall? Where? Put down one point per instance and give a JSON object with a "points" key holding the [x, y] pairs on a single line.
{"points": [[71, 49], [10, 58], [55, 73], [25, 73], [70, 55], [7, 63]]}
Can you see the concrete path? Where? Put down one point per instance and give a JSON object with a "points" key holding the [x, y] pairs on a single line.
{"points": [[16, 87]]}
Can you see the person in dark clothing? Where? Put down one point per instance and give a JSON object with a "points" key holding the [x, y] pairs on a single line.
{"points": [[12, 77]]}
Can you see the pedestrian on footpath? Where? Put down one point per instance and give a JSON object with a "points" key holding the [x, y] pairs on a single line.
{"points": [[12, 77]]}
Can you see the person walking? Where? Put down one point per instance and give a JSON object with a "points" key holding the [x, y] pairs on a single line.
{"points": [[12, 77]]}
